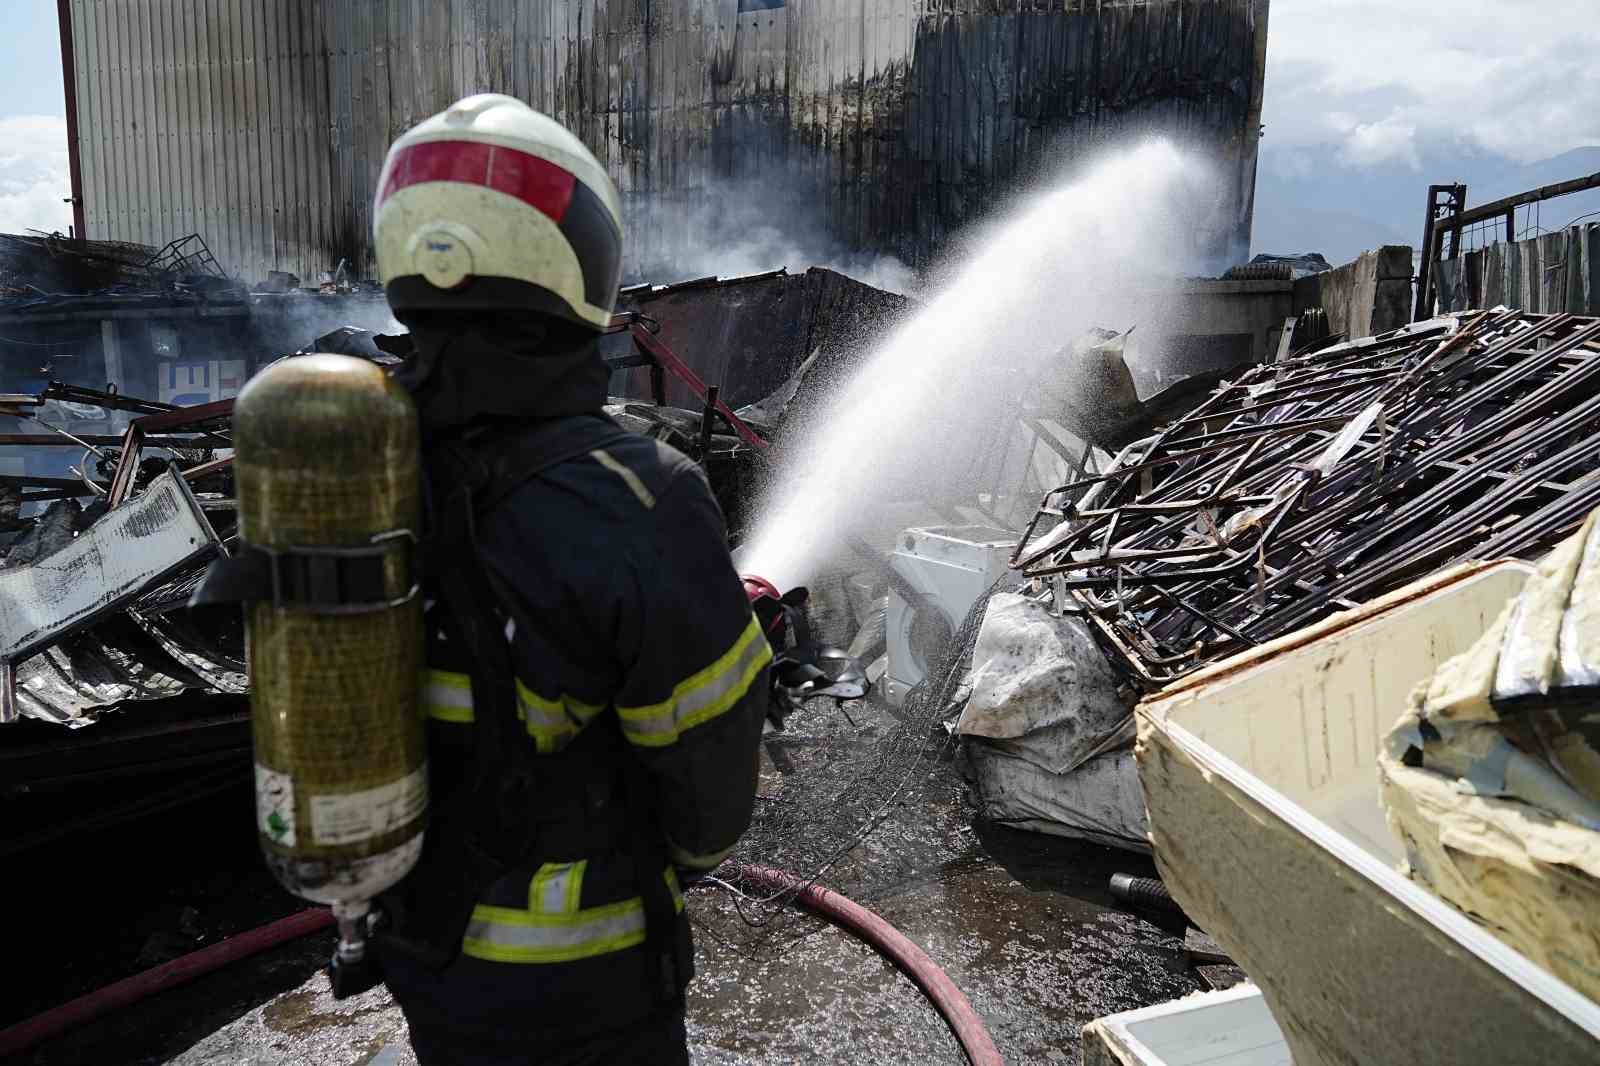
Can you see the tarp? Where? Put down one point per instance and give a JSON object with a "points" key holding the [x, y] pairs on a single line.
{"points": [[1041, 688], [1048, 728], [1099, 801]]}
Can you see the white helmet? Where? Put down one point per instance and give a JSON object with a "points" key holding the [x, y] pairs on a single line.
{"points": [[491, 205]]}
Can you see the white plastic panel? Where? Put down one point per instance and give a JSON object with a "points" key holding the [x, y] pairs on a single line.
{"points": [[127, 550], [1228, 1028]]}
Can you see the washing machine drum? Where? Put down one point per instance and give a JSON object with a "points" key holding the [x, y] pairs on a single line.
{"points": [[928, 635]]}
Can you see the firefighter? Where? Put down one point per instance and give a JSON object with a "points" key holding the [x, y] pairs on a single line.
{"points": [[596, 683]]}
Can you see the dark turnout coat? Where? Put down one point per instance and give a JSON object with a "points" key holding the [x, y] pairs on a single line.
{"points": [[636, 659]]}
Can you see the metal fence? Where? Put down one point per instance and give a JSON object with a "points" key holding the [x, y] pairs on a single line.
{"points": [[1551, 273]]}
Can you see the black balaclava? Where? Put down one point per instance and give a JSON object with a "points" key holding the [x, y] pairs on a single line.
{"points": [[471, 366]]}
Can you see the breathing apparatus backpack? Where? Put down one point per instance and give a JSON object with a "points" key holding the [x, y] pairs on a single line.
{"points": [[333, 697]]}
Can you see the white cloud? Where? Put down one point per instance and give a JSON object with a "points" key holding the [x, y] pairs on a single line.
{"points": [[1371, 79], [1390, 139], [35, 177]]}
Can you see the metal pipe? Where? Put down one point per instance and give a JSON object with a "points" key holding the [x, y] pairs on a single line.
{"points": [[1484, 433], [1425, 267], [46, 440], [1507, 205], [708, 418], [69, 84]]}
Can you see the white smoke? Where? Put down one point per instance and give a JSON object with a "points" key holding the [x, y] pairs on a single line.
{"points": [[750, 226]]}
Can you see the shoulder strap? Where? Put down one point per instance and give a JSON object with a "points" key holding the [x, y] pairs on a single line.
{"points": [[466, 476], [497, 460]]}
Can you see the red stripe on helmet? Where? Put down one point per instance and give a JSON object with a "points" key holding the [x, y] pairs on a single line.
{"points": [[537, 182]]}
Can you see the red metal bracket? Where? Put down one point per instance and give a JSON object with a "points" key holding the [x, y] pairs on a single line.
{"points": [[656, 349], [133, 442]]}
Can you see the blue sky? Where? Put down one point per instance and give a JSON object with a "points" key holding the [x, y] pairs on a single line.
{"points": [[30, 81], [33, 142], [1367, 102]]}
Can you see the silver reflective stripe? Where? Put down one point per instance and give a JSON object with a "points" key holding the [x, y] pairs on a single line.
{"points": [[516, 936], [541, 714], [658, 728], [447, 696], [693, 704], [552, 723], [506, 934], [548, 721]]}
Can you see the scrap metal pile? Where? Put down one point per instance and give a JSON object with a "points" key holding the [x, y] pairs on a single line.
{"points": [[1310, 485], [49, 271], [92, 595]]}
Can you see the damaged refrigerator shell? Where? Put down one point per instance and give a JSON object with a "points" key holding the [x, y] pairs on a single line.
{"points": [[1261, 778]]}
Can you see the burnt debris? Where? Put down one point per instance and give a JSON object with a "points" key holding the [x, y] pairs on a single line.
{"points": [[688, 361], [1312, 484]]}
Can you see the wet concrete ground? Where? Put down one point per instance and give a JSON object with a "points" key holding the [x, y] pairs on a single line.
{"points": [[1021, 922]]}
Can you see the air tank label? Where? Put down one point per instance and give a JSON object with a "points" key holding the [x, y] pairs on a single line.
{"points": [[275, 806], [356, 816]]}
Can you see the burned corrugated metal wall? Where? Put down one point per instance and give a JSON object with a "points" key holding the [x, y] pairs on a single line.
{"points": [[891, 123], [1550, 273]]}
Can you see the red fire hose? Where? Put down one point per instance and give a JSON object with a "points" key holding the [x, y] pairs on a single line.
{"points": [[889, 942], [854, 919], [130, 990]]}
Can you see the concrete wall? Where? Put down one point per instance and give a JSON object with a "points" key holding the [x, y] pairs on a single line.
{"points": [[1368, 296], [1550, 273], [1236, 308], [1225, 323], [890, 124]]}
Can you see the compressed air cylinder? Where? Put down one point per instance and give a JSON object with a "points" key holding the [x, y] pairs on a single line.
{"points": [[326, 457]]}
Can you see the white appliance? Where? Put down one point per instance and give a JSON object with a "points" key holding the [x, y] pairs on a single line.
{"points": [[947, 568]]}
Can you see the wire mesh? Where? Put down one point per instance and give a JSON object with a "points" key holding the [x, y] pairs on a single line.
{"points": [[845, 780]]}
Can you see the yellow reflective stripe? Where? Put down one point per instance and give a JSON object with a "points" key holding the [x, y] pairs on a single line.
{"points": [[603, 457], [583, 712], [708, 861], [557, 887], [447, 696], [575, 887], [543, 717], [506, 934], [566, 712], [701, 696], [553, 723]]}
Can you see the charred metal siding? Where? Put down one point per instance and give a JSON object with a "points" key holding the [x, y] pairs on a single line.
{"points": [[262, 124], [209, 117]]}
